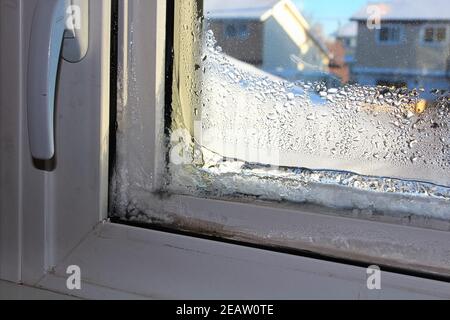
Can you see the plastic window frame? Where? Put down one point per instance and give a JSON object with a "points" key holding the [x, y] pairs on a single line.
{"points": [[304, 229]]}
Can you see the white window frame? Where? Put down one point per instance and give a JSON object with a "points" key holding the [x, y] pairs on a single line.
{"points": [[434, 43], [401, 39], [119, 261]]}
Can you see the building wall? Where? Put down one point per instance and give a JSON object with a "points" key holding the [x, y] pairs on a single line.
{"points": [[411, 54], [248, 50], [339, 66], [278, 47], [279, 50]]}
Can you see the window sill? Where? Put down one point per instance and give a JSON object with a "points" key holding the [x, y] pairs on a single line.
{"points": [[122, 262], [386, 241]]}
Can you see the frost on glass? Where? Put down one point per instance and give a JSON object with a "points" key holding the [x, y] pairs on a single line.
{"points": [[305, 141]]}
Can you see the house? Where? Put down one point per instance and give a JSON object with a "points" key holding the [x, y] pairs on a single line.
{"points": [[410, 48], [343, 50], [269, 34], [347, 35]]}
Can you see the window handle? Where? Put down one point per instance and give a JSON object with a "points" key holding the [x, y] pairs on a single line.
{"points": [[59, 30]]}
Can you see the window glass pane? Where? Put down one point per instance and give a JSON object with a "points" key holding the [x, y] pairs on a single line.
{"points": [[384, 34], [441, 34], [395, 34], [429, 34], [230, 30], [325, 105], [243, 31]]}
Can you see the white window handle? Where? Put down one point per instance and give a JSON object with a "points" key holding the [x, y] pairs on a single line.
{"points": [[59, 29]]}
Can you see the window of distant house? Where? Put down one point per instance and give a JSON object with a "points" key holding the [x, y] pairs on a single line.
{"points": [[434, 34], [236, 30], [389, 34], [349, 42]]}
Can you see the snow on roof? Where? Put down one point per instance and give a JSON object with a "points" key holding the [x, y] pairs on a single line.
{"points": [[347, 30], [408, 10], [253, 9]]}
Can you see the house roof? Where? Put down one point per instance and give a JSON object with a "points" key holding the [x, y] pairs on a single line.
{"points": [[249, 9], [348, 30], [407, 10]]}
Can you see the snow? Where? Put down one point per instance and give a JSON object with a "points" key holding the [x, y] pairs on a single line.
{"points": [[238, 9], [407, 10]]}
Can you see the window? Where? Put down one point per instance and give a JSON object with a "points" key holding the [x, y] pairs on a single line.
{"points": [[257, 131], [236, 30], [230, 31], [390, 34], [288, 134], [435, 34], [429, 34], [441, 34], [60, 219], [349, 43]]}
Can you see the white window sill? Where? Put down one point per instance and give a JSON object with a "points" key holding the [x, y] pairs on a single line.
{"points": [[122, 262]]}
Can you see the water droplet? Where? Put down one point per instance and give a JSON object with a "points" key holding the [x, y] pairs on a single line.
{"points": [[332, 91]]}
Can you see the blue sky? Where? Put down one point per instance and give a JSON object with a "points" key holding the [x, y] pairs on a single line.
{"points": [[330, 12]]}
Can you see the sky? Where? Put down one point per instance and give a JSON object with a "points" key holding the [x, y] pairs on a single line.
{"points": [[330, 13]]}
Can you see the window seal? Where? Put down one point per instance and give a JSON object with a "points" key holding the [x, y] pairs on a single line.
{"points": [[114, 62]]}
